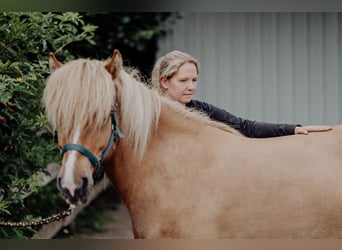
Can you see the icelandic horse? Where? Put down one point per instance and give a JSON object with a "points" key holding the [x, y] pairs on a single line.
{"points": [[180, 174]]}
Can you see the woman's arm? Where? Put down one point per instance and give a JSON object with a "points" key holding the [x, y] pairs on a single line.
{"points": [[254, 129]]}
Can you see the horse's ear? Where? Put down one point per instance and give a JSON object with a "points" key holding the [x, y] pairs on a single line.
{"points": [[114, 66], [53, 62]]}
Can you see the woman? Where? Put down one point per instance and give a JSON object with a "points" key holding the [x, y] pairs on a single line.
{"points": [[175, 76]]}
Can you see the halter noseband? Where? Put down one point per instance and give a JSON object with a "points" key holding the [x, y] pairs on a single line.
{"points": [[97, 162]]}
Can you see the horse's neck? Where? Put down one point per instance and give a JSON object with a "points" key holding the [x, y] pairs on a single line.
{"points": [[142, 183], [175, 130]]}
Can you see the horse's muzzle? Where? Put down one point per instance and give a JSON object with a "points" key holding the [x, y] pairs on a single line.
{"points": [[80, 193]]}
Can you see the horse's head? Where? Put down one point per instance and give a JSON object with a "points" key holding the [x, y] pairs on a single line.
{"points": [[80, 104]]}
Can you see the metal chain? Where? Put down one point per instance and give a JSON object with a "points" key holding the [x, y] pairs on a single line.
{"points": [[43, 221]]}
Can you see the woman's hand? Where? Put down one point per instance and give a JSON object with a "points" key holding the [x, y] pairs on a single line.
{"points": [[305, 130]]}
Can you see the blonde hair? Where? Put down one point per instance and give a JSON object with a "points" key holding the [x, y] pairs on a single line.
{"points": [[167, 65]]}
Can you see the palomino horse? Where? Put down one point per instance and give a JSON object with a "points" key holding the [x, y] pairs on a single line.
{"points": [[180, 174]]}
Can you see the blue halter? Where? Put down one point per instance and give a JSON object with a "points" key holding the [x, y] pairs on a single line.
{"points": [[97, 162]]}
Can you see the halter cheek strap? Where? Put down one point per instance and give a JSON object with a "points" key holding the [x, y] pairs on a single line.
{"points": [[97, 162]]}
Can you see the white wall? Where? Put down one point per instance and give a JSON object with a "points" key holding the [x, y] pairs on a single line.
{"points": [[276, 67]]}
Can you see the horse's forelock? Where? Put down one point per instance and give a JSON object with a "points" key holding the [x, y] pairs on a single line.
{"points": [[78, 94]]}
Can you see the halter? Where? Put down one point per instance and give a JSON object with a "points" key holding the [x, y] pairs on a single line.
{"points": [[97, 162]]}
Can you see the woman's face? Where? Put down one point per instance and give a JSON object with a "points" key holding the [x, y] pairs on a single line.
{"points": [[182, 85]]}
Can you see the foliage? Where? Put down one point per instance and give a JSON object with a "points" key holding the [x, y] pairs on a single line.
{"points": [[27, 143], [134, 34]]}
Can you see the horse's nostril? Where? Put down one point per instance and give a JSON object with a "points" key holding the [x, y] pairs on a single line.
{"points": [[85, 183], [65, 191], [59, 185], [82, 191]]}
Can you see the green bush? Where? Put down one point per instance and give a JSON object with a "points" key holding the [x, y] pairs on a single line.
{"points": [[27, 143]]}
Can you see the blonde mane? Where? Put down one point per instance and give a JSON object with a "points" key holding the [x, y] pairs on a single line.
{"points": [[82, 93], [140, 110]]}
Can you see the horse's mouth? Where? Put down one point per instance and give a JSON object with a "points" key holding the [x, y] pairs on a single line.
{"points": [[79, 196], [76, 199]]}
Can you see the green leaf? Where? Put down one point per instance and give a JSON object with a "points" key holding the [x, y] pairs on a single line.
{"points": [[4, 206]]}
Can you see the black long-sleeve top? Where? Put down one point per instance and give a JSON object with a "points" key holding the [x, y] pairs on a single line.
{"points": [[248, 128]]}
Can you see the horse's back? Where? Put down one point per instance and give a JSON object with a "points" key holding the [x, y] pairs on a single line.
{"points": [[287, 187]]}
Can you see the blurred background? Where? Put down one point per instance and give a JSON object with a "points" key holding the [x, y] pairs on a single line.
{"points": [[276, 67]]}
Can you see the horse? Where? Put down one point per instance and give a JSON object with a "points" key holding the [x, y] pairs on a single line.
{"points": [[180, 174]]}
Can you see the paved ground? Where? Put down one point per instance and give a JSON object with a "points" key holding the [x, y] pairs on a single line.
{"points": [[117, 228]]}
